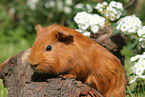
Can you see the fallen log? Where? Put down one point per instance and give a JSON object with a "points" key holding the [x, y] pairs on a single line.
{"points": [[22, 81]]}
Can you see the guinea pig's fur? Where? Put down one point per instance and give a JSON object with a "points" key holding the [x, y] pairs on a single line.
{"points": [[81, 58]]}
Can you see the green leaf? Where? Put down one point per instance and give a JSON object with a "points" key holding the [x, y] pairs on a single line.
{"points": [[124, 13], [3, 90], [131, 74], [113, 25], [92, 4], [115, 31], [125, 51], [132, 91], [78, 10], [85, 9], [132, 45]]}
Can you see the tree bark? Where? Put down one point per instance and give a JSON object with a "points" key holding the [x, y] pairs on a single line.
{"points": [[22, 81]]}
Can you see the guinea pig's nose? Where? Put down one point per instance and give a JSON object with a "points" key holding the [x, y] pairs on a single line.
{"points": [[34, 67]]}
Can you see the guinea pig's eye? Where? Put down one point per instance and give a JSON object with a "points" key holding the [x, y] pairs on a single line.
{"points": [[48, 48]]}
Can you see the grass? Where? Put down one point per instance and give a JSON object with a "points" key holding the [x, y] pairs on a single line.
{"points": [[3, 90], [10, 49]]}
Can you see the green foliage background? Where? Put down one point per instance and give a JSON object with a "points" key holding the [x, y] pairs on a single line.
{"points": [[17, 22]]}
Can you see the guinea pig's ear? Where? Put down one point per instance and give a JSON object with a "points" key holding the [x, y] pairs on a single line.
{"points": [[38, 28], [65, 38]]}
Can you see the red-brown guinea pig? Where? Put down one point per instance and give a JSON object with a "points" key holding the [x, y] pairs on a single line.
{"points": [[58, 49]]}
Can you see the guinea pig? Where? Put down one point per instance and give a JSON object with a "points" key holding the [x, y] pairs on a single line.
{"points": [[58, 50]]}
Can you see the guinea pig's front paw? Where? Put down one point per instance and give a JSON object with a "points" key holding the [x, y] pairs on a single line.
{"points": [[67, 76], [90, 93]]}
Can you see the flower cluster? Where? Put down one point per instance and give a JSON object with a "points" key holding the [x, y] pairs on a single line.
{"points": [[59, 5], [113, 10], [139, 67], [129, 24], [62, 5], [141, 34], [90, 22]]}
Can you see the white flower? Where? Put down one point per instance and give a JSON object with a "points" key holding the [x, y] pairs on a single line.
{"points": [[83, 26], [139, 71], [123, 28], [113, 11], [89, 22], [118, 15], [109, 8], [86, 33], [79, 5], [46, 5], [141, 39], [52, 3], [49, 4], [143, 44], [81, 17], [119, 6], [112, 18], [142, 61], [105, 3], [134, 58], [82, 6], [102, 21], [129, 24], [90, 9], [60, 5], [141, 31], [101, 9], [32, 4], [112, 3], [96, 19], [112, 15], [106, 15], [67, 10], [98, 6], [134, 79], [139, 67], [95, 29], [68, 2], [12, 10], [79, 30], [132, 30], [143, 76]]}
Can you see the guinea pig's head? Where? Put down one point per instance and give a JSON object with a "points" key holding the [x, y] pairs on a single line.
{"points": [[52, 50]]}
